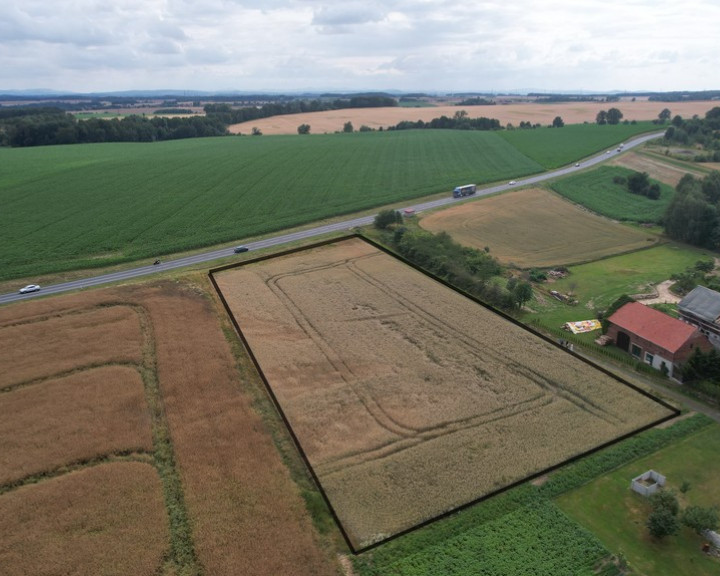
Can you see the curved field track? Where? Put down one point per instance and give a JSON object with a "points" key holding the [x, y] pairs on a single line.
{"points": [[535, 228], [409, 399], [130, 445], [572, 113]]}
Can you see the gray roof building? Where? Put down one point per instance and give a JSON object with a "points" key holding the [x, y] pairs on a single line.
{"points": [[701, 308]]}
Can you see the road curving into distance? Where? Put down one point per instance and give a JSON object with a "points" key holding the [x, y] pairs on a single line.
{"points": [[347, 225]]}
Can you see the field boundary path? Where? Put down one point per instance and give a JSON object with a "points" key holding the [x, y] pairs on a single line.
{"points": [[281, 239]]}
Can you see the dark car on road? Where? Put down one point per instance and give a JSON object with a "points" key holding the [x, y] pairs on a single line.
{"points": [[239, 249]]}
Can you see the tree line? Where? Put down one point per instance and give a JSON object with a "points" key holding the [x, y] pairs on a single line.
{"points": [[49, 126], [693, 215], [695, 131], [459, 121], [473, 271], [45, 125]]}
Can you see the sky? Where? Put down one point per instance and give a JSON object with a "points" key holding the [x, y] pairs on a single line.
{"points": [[412, 46]]}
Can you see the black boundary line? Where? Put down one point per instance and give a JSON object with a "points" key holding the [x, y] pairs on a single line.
{"points": [[674, 411]]}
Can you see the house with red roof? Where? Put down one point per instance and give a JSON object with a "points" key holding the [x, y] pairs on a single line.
{"points": [[655, 338]]}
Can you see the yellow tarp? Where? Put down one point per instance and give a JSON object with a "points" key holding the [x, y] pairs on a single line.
{"points": [[582, 326]]}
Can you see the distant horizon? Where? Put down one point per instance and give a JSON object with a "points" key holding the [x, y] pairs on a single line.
{"points": [[51, 93]]}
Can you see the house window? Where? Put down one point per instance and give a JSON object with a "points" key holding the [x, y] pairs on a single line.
{"points": [[635, 350], [649, 358]]}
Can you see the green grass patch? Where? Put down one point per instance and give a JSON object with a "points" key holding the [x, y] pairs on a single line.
{"points": [[71, 207], [596, 190], [554, 147], [598, 284], [617, 515]]}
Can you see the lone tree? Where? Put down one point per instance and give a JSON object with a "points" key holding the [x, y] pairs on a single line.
{"points": [[700, 519], [522, 293], [256, 131], [558, 122], [664, 115], [304, 129], [614, 116], [601, 117], [386, 218], [663, 521], [348, 127]]}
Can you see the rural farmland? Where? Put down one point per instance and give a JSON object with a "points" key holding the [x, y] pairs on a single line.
{"points": [[407, 398], [97, 205], [535, 228], [572, 113], [122, 410]]}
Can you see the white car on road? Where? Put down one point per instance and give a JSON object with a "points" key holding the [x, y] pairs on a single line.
{"points": [[29, 288]]}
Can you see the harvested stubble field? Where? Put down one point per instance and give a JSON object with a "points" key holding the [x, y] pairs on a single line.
{"points": [[407, 398], [534, 227], [217, 496], [657, 169], [571, 112]]}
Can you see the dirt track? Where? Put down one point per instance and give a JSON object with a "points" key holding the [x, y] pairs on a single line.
{"points": [[572, 113]]}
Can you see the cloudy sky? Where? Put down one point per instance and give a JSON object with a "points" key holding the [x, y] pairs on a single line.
{"points": [[409, 45]]}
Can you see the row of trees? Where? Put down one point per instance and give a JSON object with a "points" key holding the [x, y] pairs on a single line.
{"points": [[666, 518], [704, 132], [459, 121], [48, 126], [693, 215], [43, 126], [229, 115], [471, 270]]}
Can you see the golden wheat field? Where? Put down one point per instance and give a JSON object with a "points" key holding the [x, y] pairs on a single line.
{"points": [[572, 113], [91, 385], [407, 398], [534, 227]]}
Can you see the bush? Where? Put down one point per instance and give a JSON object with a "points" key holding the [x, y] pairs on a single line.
{"points": [[386, 218]]}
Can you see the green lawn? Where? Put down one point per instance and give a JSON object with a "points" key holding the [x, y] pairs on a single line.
{"points": [[617, 515], [598, 284], [596, 190]]}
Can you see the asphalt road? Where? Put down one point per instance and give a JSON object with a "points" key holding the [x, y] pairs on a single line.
{"points": [[311, 232]]}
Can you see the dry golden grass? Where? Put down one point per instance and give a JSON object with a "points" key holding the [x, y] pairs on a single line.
{"points": [[49, 345], [107, 519], [572, 113], [409, 399], [532, 227], [655, 167], [76, 418], [247, 514]]}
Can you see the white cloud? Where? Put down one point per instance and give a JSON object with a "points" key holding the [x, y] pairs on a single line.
{"points": [[88, 45]]}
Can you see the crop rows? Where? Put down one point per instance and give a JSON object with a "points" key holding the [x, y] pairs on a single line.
{"points": [[69, 207], [597, 191]]}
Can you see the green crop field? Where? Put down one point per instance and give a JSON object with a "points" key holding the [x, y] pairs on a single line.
{"points": [[554, 147], [617, 515], [89, 206], [70, 207], [596, 190]]}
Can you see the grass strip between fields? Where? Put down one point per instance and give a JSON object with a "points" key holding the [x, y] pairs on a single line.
{"points": [[182, 560]]}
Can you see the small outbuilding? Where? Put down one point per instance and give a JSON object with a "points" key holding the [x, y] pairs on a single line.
{"points": [[663, 342]]}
